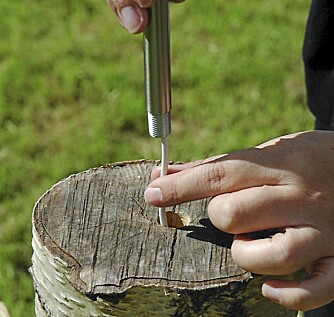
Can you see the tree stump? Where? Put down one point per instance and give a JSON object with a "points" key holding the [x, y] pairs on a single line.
{"points": [[3, 310], [100, 251]]}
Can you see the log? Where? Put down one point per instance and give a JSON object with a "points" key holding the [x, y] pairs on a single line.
{"points": [[3, 310], [100, 251]]}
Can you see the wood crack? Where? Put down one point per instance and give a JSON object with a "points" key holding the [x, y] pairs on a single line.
{"points": [[110, 243], [172, 252], [58, 246]]}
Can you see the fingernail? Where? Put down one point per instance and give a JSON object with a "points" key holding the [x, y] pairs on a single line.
{"points": [[132, 21], [270, 292], [153, 196]]}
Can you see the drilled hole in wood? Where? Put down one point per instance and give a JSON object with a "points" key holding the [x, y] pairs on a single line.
{"points": [[176, 220]]}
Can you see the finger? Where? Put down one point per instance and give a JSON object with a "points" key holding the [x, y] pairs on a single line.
{"points": [[282, 254], [156, 170], [312, 293], [181, 167], [131, 15], [240, 170], [145, 3], [149, 3], [142, 3], [257, 208]]}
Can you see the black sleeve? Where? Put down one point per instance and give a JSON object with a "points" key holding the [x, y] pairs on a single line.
{"points": [[318, 55]]}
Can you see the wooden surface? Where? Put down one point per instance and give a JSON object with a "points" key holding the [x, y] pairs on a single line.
{"points": [[99, 251]]}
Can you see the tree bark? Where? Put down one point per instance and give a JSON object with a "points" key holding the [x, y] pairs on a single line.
{"points": [[3, 310], [100, 251]]}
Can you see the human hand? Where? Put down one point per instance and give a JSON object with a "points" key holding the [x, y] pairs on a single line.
{"points": [[285, 183], [132, 14]]}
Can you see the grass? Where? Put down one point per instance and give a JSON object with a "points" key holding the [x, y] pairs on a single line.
{"points": [[72, 97]]}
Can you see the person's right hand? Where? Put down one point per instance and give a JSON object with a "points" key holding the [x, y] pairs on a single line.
{"points": [[132, 14], [285, 184]]}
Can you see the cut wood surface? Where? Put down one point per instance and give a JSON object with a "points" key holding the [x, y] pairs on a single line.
{"points": [[100, 251]]}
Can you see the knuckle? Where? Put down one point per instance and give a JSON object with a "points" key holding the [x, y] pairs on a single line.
{"points": [[225, 215], [232, 216], [294, 303], [173, 192], [175, 196], [215, 173], [286, 259]]}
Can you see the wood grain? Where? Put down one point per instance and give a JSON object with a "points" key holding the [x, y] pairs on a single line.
{"points": [[111, 255]]}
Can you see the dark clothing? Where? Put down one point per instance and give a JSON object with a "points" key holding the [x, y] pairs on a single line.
{"points": [[318, 55], [326, 311]]}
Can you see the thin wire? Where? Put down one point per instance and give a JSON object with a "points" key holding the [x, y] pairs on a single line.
{"points": [[164, 167]]}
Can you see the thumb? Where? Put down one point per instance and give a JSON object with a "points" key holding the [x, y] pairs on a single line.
{"points": [[304, 295]]}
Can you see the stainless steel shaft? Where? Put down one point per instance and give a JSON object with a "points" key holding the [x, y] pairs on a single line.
{"points": [[157, 81], [157, 70]]}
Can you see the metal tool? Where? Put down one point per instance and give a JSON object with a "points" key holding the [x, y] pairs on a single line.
{"points": [[157, 81]]}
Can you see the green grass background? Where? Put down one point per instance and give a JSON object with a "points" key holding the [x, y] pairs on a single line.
{"points": [[72, 97]]}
